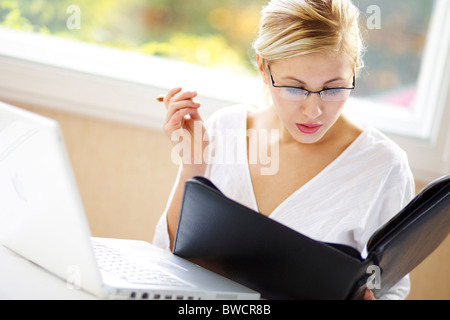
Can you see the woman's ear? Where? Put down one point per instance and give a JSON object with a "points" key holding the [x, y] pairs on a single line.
{"points": [[261, 67]]}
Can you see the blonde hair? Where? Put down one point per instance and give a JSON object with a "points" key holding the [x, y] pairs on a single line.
{"points": [[290, 28]]}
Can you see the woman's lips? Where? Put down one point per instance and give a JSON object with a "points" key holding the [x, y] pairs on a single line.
{"points": [[308, 128]]}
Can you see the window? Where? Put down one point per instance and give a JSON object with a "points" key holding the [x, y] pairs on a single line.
{"points": [[211, 33], [395, 84], [403, 90], [220, 33], [395, 33]]}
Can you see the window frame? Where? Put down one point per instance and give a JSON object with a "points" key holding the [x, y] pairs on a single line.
{"points": [[116, 85], [424, 135], [403, 121]]}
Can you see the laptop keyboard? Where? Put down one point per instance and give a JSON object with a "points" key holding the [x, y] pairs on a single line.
{"points": [[121, 266]]}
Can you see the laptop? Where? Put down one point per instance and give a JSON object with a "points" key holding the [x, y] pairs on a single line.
{"points": [[42, 219]]}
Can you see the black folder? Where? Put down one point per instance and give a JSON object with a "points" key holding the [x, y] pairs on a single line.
{"points": [[232, 240]]}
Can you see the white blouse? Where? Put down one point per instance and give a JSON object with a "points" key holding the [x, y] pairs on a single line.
{"points": [[345, 203]]}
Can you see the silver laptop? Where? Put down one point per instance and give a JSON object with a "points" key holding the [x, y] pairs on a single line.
{"points": [[42, 219]]}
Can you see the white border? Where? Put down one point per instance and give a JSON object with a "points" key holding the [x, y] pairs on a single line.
{"points": [[121, 86]]}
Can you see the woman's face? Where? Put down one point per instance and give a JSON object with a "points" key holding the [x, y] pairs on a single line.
{"points": [[309, 120]]}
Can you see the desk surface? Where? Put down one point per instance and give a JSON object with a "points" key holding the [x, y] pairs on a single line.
{"points": [[24, 280]]}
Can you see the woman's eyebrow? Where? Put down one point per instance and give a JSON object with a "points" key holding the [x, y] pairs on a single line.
{"points": [[303, 83]]}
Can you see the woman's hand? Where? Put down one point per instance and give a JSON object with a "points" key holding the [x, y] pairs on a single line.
{"points": [[184, 127], [186, 131]]}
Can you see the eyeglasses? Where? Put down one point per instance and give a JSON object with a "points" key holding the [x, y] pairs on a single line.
{"points": [[300, 94]]}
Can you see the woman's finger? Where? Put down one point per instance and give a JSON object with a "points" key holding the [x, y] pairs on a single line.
{"points": [[174, 95], [184, 95], [177, 120], [368, 295], [170, 95], [195, 115], [177, 106]]}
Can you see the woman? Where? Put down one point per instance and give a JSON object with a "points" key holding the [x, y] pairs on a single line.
{"points": [[335, 181]]}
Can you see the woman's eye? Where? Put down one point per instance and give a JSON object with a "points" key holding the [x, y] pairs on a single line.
{"points": [[294, 91], [333, 92]]}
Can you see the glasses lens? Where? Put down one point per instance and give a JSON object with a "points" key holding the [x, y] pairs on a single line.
{"points": [[335, 94], [293, 94]]}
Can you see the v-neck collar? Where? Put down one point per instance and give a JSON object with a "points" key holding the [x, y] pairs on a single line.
{"points": [[303, 187]]}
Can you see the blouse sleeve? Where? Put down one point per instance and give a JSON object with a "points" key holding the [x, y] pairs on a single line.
{"points": [[397, 191], [161, 238], [398, 292], [401, 290]]}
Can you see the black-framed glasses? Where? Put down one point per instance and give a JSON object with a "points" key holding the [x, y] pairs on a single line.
{"points": [[301, 94]]}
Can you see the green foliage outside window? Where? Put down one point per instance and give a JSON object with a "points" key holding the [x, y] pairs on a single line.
{"points": [[220, 33]]}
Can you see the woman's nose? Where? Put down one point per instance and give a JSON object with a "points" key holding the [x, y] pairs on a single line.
{"points": [[312, 106]]}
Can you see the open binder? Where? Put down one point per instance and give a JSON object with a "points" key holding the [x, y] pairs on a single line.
{"points": [[280, 263]]}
